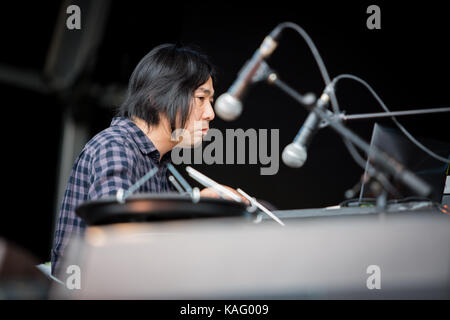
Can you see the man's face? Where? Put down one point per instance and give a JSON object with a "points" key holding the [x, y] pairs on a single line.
{"points": [[201, 114]]}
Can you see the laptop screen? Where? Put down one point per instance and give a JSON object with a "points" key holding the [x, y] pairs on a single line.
{"points": [[397, 145]]}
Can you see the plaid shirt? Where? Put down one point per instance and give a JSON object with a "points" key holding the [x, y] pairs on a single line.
{"points": [[115, 158]]}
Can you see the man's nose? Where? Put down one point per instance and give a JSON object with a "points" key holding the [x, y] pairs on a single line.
{"points": [[209, 113]]}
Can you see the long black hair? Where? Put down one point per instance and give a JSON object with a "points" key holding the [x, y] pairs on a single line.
{"points": [[163, 82]]}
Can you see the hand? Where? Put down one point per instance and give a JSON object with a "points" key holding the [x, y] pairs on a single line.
{"points": [[211, 193]]}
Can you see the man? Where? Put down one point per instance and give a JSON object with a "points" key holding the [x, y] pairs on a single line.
{"points": [[171, 88]]}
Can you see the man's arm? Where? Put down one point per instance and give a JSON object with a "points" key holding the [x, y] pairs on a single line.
{"points": [[113, 167]]}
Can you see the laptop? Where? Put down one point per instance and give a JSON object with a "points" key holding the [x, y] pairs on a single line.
{"points": [[392, 141]]}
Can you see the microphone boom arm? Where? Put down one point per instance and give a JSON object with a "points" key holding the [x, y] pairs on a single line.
{"points": [[364, 116], [380, 159]]}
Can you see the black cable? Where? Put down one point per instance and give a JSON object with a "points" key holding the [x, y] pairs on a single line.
{"points": [[334, 103], [394, 119]]}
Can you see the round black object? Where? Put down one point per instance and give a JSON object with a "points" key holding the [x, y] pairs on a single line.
{"points": [[157, 207]]}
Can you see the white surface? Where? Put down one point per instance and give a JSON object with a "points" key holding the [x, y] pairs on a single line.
{"points": [[230, 259]]}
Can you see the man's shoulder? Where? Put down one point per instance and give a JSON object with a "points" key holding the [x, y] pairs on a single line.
{"points": [[109, 138]]}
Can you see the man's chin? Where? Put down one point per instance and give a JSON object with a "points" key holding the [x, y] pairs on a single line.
{"points": [[197, 142]]}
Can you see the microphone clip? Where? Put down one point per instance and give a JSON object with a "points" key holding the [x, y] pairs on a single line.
{"points": [[263, 73], [333, 116]]}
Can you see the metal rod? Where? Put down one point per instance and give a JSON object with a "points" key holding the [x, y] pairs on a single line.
{"points": [[391, 114], [122, 194], [382, 159], [254, 202], [209, 183], [176, 184], [180, 178]]}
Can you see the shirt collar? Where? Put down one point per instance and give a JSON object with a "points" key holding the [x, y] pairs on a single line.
{"points": [[143, 142]]}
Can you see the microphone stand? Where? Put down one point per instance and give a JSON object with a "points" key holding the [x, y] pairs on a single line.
{"points": [[380, 160], [364, 116], [382, 197]]}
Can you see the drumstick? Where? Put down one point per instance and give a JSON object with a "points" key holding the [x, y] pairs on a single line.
{"points": [[209, 183], [260, 206]]}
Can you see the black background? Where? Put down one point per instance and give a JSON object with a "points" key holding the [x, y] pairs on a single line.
{"points": [[406, 62]]}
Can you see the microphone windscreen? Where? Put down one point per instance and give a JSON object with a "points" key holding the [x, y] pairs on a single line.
{"points": [[294, 155], [228, 107]]}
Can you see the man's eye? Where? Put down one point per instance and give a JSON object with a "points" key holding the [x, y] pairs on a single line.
{"points": [[201, 98]]}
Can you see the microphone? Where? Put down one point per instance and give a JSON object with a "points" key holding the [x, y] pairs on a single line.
{"points": [[228, 106], [295, 154]]}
